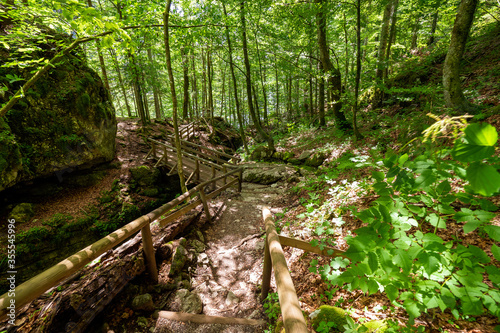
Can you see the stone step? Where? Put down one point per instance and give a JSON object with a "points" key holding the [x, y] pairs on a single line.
{"points": [[177, 322]]}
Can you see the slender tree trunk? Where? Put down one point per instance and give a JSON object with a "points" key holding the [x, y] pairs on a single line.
{"points": [[414, 33], [277, 109], [262, 77], [155, 88], [166, 15], [266, 136], [120, 80], [321, 98], [185, 68], [235, 87], [432, 34], [453, 94], [357, 134], [381, 58], [195, 89], [139, 102], [210, 90], [333, 74], [204, 97], [392, 36]]}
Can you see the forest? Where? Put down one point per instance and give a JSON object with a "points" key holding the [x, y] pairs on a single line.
{"points": [[386, 111]]}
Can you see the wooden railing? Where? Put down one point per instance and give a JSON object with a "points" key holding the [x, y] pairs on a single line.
{"points": [[36, 286], [211, 165], [293, 319], [187, 131]]}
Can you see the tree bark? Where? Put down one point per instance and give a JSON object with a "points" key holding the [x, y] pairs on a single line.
{"points": [[433, 27], [334, 82], [166, 16], [260, 130], [185, 86], [453, 95], [381, 58], [357, 134], [414, 33], [120, 80], [235, 86], [156, 94]]}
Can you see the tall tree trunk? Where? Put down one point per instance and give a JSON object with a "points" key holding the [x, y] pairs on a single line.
{"points": [[381, 58], [166, 16], [138, 90], [195, 89], [235, 86], [185, 86], [321, 98], [210, 90], [156, 98], [204, 97], [432, 34], [262, 77], [277, 109], [334, 82], [357, 134], [392, 37], [260, 130], [120, 80], [414, 33], [453, 94]]}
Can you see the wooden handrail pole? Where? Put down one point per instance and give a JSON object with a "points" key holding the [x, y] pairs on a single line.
{"points": [[149, 251], [213, 176], [266, 273], [293, 319], [154, 150], [240, 177], [205, 204], [224, 170], [197, 170]]}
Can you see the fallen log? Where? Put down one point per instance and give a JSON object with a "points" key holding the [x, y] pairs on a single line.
{"points": [[72, 306]]}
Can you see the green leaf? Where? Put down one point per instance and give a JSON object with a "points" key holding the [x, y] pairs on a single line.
{"points": [[478, 143], [484, 179], [392, 292], [493, 231], [402, 160], [436, 221], [411, 307], [378, 175], [402, 260], [426, 178], [496, 251]]}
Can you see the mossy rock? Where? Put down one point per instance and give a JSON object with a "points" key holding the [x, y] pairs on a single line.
{"points": [[23, 212], [316, 159], [146, 176], [378, 326], [329, 314], [150, 192], [283, 155]]}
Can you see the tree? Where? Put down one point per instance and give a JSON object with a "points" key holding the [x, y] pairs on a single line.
{"points": [[453, 95], [334, 83], [166, 16], [260, 130]]}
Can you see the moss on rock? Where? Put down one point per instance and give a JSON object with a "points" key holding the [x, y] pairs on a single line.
{"points": [[329, 314], [378, 326]]}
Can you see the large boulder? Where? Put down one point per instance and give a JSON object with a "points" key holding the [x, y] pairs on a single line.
{"points": [[267, 173], [65, 122]]}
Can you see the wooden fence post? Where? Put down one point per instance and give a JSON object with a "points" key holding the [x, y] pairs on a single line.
{"points": [[205, 204], [213, 176], [149, 251], [266, 272], [293, 319], [240, 177]]}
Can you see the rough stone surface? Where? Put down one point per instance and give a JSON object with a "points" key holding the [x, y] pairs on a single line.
{"points": [[186, 301], [316, 159], [22, 212], [266, 173], [143, 303], [197, 245], [178, 261], [65, 122]]}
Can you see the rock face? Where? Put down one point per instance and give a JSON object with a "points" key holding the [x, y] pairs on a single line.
{"points": [[65, 121], [266, 173]]}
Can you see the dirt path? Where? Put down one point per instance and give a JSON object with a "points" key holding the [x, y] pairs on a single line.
{"points": [[228, 274]]}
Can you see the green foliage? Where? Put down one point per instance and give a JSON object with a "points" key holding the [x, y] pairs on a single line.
{"points": [[329, 319], [398, 250]]}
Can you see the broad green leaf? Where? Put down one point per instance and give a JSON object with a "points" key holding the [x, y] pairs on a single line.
{"points": [[429, 262], [402, 160], [443, 188], [373, 286], [378, 175], [478, 144], [372, 261], [484, 179], [472, 306], [493, 231], [493, 274], [412, 308], [402, 260], [496, 251], [392, 292], [436, 221], [426, 178]]}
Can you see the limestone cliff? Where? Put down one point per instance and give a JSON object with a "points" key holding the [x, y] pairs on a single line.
{"points": [[65, 122]]}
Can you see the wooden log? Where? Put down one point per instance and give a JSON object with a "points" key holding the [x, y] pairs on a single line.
{"points": [[203, 319], [205, 204], [293, 318], [266, 273]]}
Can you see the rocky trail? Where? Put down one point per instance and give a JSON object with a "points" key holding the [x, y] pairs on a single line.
{"points": [[227, 275]]}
